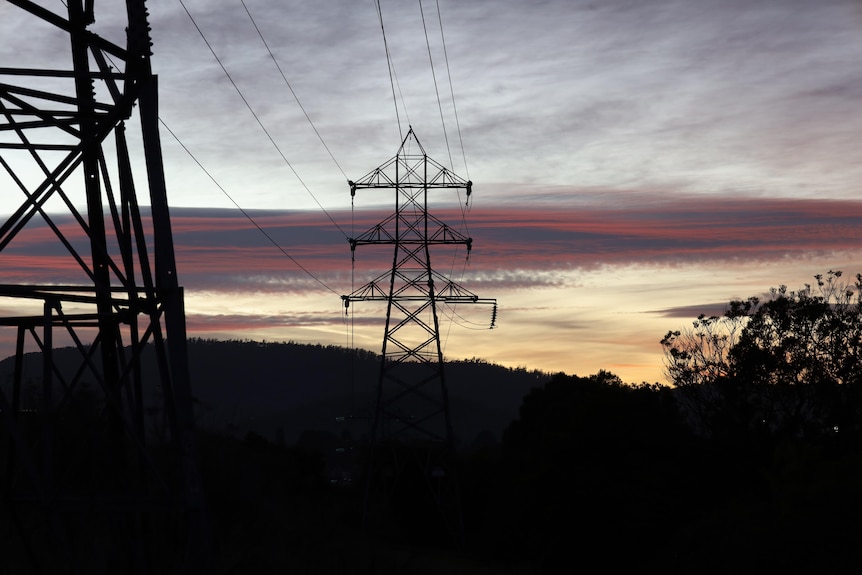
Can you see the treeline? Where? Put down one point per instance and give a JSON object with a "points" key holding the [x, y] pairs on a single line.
{"points": [[751, 461], [593, 472]]}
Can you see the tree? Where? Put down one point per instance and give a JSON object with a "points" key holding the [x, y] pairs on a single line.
{"points": [[791, 365], [697, 362], [700, 355], [589, 457]]}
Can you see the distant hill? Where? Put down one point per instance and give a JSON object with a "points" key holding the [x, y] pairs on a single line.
{"points": [[280, 390]]}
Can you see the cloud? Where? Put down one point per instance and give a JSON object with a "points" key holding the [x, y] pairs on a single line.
{"points": [[515, 247], [681, 230], [702, 96], [225, 323], [692, 311]]}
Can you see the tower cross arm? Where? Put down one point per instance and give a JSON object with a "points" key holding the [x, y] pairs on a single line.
{"points": [[450, 292], [416, 172], [385, 233], [446, 235], [368, 292]]}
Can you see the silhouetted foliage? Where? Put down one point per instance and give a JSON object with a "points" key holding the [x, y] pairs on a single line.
{"points": [[592, 465], [773, 389], [787, 366]]}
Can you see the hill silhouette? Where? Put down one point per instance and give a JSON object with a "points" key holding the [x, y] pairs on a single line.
{"points": [[288, 391]]}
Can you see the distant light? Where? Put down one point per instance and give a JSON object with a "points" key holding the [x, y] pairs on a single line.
{"points": [[835, 429]]}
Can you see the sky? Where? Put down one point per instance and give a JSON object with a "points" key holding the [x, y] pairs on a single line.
{"points": [[634, 164]]}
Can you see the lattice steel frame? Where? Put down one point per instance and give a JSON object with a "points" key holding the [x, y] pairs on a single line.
{"points": [[411, 413], [113, 497]]}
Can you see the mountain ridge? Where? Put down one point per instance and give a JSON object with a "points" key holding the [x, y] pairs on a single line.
{"points": [[281, 390]]}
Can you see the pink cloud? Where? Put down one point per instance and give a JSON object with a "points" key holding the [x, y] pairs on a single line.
{"points": [[220, 249]]}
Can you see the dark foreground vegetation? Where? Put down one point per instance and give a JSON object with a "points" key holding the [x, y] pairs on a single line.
{"points": [[750, 463], [594, 476]]}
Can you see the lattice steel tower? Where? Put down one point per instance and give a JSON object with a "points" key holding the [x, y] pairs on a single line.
{"points": [[412, 437], [100, 471]]}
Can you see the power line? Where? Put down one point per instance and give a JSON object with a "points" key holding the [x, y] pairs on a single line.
{"points": [[289, 87], [228, 196], [436, 90], [454, 314], [391, 72], [446, 138], [259, 122], [452, 91], [245, 213]]}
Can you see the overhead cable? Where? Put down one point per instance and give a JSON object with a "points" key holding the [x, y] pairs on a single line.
{"points": [[289, 87], [259, 122], [446, 135], [436, 90], [245, 213], [391, 71], [452, 91]]}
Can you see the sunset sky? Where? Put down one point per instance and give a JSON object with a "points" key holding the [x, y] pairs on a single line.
{"points": [[634, 163]]}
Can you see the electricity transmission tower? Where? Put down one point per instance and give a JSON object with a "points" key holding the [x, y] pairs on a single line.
{"points": [[411, 444], [99, 470]]}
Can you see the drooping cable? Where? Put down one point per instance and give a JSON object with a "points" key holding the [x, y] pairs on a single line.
{"points": [[463, 223], [391, 70], [436, 89], [452, 91], [289, 87], [259, 122], [469, 324], [245, 213], [228, 196]]}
